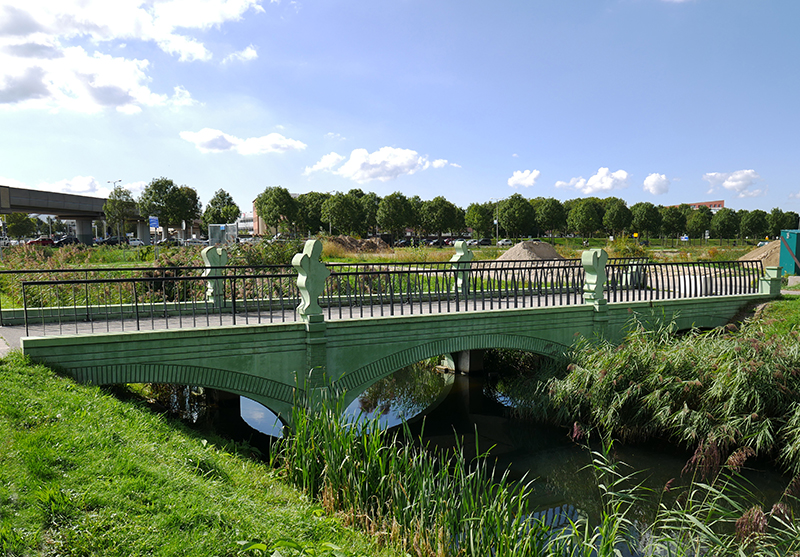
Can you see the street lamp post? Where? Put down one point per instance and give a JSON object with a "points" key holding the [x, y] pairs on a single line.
{"points": [[497, 201], [114, 185]]}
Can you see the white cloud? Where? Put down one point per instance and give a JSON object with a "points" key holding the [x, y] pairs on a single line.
{"points": [[336, 136], [603, 181], [656, 184], [327, 162], [516, 156], [245, 55], [387, 163], [455, 165], [525, 178], [56, 55], [739, 181], [210, 140]]}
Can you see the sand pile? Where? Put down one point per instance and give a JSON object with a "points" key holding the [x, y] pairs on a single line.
{"points": [[354, 245], [530, 250], [769, 254]]}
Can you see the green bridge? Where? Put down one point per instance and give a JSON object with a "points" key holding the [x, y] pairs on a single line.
{"points": [[467, 307]]}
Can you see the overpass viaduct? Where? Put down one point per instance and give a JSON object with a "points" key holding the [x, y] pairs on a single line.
{"points": [[480, 305], [83, 209]]}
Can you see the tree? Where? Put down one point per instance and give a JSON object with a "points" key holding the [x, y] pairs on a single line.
{"points": [[276, 207], [369, 203], [394, 214], [119, 208], [584, 217], [699, 221], [20, 225], [309, 211], [170, 203], [618, 217], [753, 224], [480, 218], [551, 215], [342, 212], [673, 222], [222, 209], [725, 224], [646, 219], [439, 215], [415, 218], [153, 200], [516, 216]]}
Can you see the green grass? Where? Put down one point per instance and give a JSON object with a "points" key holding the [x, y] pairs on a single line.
{"points": [[82, 473]]}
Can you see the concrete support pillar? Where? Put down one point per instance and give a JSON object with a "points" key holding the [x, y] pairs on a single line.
{"points": [[770, 283], [143, 232], [83, 231], [465, 362]]}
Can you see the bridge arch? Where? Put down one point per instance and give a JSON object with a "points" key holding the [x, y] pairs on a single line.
{"points": [[276, 396], [356, 382]]}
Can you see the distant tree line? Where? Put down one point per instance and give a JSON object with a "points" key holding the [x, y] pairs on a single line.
{"points": [[360, 214]]}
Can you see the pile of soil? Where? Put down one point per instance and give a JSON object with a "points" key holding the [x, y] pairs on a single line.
{"points": [[769, 254], [354, 245], [530, 250]]}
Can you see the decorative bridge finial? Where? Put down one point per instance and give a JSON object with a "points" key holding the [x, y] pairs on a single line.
{"points": [[311, 276]]}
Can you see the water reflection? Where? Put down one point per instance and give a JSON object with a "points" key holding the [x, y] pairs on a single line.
{"points": [[402, 396]]}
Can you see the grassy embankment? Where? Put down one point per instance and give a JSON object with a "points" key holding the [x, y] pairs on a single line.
{"points": [[82, 473]]}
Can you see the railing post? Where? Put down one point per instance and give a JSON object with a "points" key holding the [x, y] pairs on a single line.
{"points": [[594, 262], [214, 258], [770, 283], [461, 262], [311, 277]]}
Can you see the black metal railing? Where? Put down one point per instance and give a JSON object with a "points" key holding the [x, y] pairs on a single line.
{"points": [[141, 303], [645, 280], [185, 297]]}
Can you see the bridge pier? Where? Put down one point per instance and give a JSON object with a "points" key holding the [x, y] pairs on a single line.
{"points": [[465, 362], [83, 231]]}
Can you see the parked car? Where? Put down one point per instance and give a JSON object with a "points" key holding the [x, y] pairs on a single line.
{"points": [[505, 242], [473, 242], [41, 241], [402, 244], [66, 241], [195, 242], [135, 242], [170, 242], [485, 242], [113, 241]]}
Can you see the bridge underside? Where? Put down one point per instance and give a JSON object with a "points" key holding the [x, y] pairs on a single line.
{"points": [[278, 364]]}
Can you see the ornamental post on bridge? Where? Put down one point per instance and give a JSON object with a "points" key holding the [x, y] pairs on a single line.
{"points": [[594, 262], [311, 277], [770, 283], [214, 259], [461, 263]]}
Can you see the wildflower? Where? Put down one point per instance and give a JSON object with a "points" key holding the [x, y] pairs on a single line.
{"points": [[577, 432], [668, 485]]}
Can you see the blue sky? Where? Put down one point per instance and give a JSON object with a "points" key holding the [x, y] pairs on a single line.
{"points": [[647, 100]]}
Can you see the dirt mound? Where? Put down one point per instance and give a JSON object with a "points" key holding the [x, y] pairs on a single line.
{"points": [[530, 250], [354, 245], [769, 254]]}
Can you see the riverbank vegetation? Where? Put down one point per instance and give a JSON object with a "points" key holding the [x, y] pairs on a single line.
{"points": [[82, 473], [734, 388]]}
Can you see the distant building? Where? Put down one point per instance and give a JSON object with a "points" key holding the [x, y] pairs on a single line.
{"points": [[713, 205], [245, 223], [259, 227]]}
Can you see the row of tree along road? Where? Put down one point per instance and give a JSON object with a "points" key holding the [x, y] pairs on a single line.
{"points": [[360, 213]]}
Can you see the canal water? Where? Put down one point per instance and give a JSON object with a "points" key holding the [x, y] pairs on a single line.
{"points": [[441, 406]]}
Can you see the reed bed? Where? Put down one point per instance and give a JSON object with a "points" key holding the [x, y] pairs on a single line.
{"points": [[729, 389], [434, 504]]}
